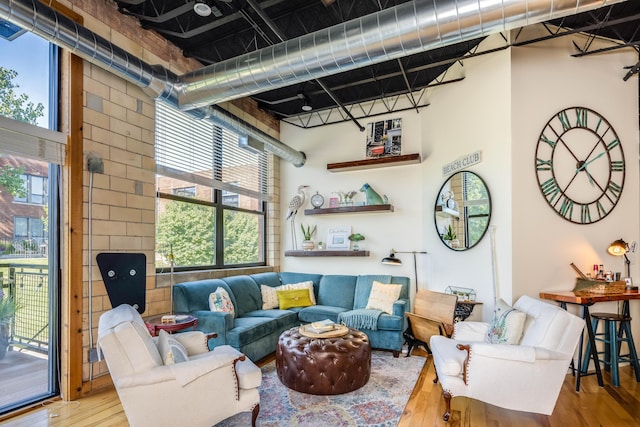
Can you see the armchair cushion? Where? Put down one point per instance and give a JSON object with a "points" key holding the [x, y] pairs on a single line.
{"points": [[382, 297], [507, 324], [195, 342], [170, 349], [220, 301], [470, 331]]}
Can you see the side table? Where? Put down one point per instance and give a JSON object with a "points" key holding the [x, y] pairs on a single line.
{"points": [[183, 321]]}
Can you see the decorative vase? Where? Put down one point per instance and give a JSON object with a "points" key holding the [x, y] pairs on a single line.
{"points": [[308, 245], [356, 246]]}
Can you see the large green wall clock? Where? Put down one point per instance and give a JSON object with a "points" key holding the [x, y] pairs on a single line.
{"points": [[580, 165]]}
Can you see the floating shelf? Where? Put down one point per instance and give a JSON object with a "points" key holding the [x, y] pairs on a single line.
{"points": [[316, 253], [441, 210], [349, 209], [380, 162]]}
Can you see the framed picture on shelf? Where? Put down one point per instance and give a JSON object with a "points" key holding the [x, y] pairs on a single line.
{"points": [[333, 202], [338, 238]]}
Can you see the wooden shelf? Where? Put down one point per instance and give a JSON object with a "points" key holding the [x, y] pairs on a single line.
{"points": [[441, 210], [349, 209], [380, 162], [316, 253]]}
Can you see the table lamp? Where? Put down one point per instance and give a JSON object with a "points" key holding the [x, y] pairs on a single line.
{"points": [[621, 248]]}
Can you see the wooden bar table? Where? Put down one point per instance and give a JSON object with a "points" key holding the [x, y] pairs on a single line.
{"points": [[586, 300]]}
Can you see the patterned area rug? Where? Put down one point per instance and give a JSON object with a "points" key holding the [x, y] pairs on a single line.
{"points": [[379, 403]]}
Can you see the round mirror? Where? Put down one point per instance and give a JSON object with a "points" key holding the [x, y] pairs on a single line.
{"points": [[462, 211]]}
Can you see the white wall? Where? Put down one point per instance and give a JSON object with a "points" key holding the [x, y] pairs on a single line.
{"points": [[546, 81], [499, 108]]}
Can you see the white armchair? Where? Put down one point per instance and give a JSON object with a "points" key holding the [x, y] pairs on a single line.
{"points": [[525, 377], [201, 391]]}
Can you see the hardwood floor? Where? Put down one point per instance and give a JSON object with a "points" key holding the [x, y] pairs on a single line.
{"points": [[594, 406]]}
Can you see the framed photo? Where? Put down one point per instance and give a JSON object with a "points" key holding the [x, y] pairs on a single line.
{"points": [[384, 138], [629, 281], [338, 238], [333, 202]]}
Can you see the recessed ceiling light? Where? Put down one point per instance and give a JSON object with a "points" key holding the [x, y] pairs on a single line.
{"points": [[306, 107], [202, 9]]}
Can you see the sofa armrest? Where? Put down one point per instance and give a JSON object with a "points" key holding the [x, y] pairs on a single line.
{"points": [[212, 321], [399, 307]]}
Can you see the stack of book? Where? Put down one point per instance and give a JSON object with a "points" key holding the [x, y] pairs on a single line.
{"points": [[321, 326]]}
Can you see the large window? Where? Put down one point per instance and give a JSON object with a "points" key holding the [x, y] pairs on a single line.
{"points": [[211, 195]]}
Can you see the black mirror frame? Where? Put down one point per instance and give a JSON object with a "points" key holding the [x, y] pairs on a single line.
{"points": [[435, 216]]}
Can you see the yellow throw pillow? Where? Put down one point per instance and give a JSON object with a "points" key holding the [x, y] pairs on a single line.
{"points": [[294, 298]]}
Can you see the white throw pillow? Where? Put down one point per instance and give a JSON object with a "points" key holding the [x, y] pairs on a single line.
{"points": [[270, 296], [220, 301], [383, 296], [170, 349], [507, 324]]}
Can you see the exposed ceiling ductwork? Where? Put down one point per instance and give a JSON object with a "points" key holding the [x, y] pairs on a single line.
{"points": [[156, 81], [392, 33]]}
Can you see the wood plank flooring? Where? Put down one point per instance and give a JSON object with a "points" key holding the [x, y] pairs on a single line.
{"points": [[594, 406]]}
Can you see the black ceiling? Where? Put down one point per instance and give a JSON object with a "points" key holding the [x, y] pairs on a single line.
{"points": [[236, 27]]}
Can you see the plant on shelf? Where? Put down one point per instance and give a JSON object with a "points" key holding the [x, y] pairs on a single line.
{"points": [[356, 237], [450, 234], [307, 233]]}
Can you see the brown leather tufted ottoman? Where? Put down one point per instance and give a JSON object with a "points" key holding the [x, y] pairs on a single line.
{"points": [[323, 365]]}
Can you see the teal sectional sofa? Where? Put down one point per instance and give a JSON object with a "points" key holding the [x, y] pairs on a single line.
{"points": [[255, 331]]}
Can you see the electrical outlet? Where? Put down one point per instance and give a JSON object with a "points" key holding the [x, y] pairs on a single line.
{"points": [[93, 355]]}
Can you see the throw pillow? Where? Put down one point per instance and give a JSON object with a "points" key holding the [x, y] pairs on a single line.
{"points": [[220, 301], [507, 324], [383, 296], [270, 297], [170, 349], [294, 298]]}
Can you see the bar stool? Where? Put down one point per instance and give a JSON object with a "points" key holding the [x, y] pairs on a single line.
{"points": [[612, 338]]}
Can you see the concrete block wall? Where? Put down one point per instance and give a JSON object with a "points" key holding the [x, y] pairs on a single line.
{"points": [[119, 129]]}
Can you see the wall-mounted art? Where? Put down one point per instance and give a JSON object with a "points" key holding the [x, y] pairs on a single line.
{"points": [[384, 138]]}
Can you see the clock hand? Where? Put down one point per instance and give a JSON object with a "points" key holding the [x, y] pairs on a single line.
{"points": [[584, 165]]}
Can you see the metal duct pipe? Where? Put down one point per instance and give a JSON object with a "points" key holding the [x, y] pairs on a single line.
{"points": [[155, 80], [406, 29]]}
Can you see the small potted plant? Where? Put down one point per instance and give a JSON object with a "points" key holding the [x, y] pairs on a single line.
{"points": [[320, 245], [8, 308], [450, 237], [307, 233], [355, 238]]}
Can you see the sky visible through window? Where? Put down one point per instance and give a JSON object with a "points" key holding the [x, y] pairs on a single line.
{"points": [[29, 56]]}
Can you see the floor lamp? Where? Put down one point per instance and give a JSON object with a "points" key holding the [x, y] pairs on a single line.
{"points": [[410, 339]]}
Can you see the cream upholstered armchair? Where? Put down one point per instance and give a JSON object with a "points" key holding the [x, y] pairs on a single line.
{"points": [[174, 380], [526, 376]]}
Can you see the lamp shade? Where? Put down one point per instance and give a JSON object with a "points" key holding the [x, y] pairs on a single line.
{"points": [[391, 259], [618, 248]]}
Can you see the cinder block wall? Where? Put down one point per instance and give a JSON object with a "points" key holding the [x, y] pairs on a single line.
{"points": [[119, 129]]}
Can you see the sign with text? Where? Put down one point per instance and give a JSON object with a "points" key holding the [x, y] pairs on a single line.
{"points": [[462, 163]]}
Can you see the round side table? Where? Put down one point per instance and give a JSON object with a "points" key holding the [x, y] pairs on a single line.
{"points": [[183, 321]]}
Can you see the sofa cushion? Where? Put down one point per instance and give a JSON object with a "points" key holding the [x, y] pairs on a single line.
{"points": [[269, 279], [289, 315], [220, 301], [383, 296], [250, 329], [363, 288], [293, 298], [337, 291], [194, 296], [246, 292], [316, 313]]}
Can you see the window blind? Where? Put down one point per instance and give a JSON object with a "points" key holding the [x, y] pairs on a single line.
{"points": [[200, 152], [31, 141]]}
